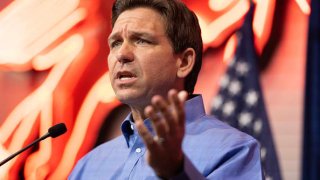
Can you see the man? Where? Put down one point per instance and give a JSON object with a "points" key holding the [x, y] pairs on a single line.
{"points": [[154, 60]]}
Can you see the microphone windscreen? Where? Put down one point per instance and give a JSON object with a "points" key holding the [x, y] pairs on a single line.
{"points": [[57, 130]]}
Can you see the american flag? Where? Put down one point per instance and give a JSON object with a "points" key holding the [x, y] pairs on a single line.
{"points": [[240, 101]]}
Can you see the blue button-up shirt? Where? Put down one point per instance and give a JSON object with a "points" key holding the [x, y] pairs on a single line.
{"points": [[212, 150]]}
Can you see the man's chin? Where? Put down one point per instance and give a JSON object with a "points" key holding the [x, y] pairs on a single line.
{"points": [[132, 99]]}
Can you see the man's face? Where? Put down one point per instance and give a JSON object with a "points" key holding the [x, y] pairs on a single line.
{"points": [[141, 60]]}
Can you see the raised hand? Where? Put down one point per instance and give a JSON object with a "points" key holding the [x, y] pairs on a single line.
{"points": [[164, 149]]}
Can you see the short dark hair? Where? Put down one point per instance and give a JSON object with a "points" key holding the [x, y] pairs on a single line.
{"points": [[182, 28]]}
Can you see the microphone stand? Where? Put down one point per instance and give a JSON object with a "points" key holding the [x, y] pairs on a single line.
{"points": [[23, 149]]}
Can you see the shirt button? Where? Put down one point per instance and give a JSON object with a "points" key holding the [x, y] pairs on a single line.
{"points": [[138, 150]]}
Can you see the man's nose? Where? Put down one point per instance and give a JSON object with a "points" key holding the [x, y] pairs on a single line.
{"points": [[125, 53]]}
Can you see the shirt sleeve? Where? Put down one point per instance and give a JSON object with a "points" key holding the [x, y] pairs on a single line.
{"points": [[239, 162], [76, 173]]}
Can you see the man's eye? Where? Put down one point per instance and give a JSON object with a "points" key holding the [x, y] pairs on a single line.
{"points": [[143, 41], [115, 44]]}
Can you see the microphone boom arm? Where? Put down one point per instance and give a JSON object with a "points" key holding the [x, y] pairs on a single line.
{"points": [[23, 149], [53, 132]]}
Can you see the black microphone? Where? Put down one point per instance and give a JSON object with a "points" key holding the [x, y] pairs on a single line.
{"points": [[53, 132]]}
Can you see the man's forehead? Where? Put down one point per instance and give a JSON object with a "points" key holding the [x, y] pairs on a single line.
{"points": [[141, 16], [131, 32], [132, 23]]}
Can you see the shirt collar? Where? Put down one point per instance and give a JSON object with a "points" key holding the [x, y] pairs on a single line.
{"points": [[194, 109]]}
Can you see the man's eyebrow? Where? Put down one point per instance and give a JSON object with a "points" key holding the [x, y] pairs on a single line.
{"points": [[132, 33], [112, 37], [141, 34]]}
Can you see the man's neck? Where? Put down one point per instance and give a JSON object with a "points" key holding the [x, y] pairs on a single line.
{"points": [[138, 114]]}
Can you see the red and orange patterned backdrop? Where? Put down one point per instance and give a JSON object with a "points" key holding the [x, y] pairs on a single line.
{"points": [[53, 69]]}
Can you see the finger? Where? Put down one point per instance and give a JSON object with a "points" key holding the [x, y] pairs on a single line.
{"points": [[183, 96], [172, 97], [146, 136], [178, 101], [157, 124], [166, 111]]}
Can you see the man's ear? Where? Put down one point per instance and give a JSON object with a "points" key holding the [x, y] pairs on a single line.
{"points": [[186, 62]]}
